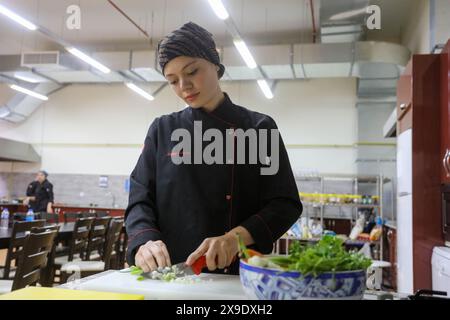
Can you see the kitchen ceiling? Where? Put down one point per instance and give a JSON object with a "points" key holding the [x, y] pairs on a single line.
{"points": [[280, 34], [104, 28]]}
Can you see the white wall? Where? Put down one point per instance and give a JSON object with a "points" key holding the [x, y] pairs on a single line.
{"points": [[416, 35], [100, 129], [442, 16]]}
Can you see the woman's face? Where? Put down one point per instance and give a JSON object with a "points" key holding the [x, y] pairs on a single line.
{"points": [[194, 80]]}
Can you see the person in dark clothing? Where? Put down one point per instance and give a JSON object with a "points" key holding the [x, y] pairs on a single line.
{"points": [[40, 194], [181, 204]]}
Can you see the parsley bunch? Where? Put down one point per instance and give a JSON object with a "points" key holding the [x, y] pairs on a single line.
{"points": [[328, 255]]}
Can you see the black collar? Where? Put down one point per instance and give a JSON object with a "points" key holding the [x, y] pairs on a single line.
{"points": [[226, 113]]}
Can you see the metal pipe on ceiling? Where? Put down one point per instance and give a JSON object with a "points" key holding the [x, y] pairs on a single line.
{"points": [[128, 18], [311, 3]]}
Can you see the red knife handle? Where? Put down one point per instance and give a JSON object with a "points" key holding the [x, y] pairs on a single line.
{"points": [[200, 264]]}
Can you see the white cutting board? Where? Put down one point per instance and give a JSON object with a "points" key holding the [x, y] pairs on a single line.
{"points": [[212, 287]]}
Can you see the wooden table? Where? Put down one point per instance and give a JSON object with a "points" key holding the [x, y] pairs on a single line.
{"points": [[65, 233]]}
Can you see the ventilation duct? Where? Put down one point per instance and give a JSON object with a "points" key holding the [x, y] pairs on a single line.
{"points": [[376, 64], [11, 150]]}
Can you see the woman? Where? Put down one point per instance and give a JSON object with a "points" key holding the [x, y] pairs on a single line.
{"points": [[181, 211]]}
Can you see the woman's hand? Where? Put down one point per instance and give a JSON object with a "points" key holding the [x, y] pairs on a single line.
{"points": [[152, 255], [219, 251]]}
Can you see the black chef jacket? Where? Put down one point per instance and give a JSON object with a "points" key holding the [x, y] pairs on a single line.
{"points": [[43, 193], [184, 204]]}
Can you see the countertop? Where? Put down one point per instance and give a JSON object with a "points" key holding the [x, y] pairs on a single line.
{"points": [[64, 205]]}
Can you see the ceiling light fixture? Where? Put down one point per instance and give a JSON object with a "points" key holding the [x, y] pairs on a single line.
{"points": [[265, 88], [219, 9], [81, 55], [15, 17], [245, 53], [348, 14], [140, 91], [29, 92]]}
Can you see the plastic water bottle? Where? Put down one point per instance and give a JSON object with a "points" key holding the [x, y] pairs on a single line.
{"points": [[4, 219], [30, 215]]}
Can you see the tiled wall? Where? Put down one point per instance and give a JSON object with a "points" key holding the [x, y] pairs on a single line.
{"points": [[70, 189]]}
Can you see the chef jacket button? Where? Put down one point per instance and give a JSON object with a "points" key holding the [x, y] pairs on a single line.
{"points": [[228, 197]]}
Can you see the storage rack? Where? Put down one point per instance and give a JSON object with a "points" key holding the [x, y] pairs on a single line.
{"points": [[357, 180]]}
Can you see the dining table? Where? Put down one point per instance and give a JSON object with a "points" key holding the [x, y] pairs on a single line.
{"points": [[65, 233]]}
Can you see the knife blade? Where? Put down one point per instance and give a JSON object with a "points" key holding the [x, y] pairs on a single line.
{"points": [[196, 268], [178, 270]]}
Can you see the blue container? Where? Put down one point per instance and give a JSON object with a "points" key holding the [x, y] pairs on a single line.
{"points": [[270, 284]]}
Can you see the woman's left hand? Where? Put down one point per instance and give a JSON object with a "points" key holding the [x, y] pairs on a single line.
{"points": [[219, 251]]}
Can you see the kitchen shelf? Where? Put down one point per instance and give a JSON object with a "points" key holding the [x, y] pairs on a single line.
{"points": [[357, 182], [360, 178], [348, 205]]}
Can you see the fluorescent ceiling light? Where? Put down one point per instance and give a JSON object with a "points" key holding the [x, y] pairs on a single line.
{"points": [[349, 14], [265, 89], [77, 53], [219, 9], [29, 92], [245, 53], [27, 78], [140, 91], [4, 112], [8, 13]]}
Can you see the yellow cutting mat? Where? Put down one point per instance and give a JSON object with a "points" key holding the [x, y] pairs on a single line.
{"points": [[40, 293]]}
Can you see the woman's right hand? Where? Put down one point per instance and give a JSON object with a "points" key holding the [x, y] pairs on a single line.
{"points": [[152, 255]]}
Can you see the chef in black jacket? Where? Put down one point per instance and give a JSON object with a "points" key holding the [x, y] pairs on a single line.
{"points": [[40, 194], [180, 212]]}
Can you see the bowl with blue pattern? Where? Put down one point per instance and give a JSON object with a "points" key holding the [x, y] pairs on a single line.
{"points": [[262, 283]]}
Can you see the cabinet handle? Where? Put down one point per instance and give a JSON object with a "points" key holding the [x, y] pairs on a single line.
{"points": [[445, 163], [444, 215], [403, 106], [389, 235], [448, 163]]}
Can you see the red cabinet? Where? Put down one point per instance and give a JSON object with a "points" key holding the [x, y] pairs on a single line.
{"points": [[445, 114], [421, 112]]}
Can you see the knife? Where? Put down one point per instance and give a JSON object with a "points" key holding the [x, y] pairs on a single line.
{"points": [[196, 268], [180, 269]]}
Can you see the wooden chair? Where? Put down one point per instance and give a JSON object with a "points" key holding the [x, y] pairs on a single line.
{"points": [[71, 216], [33, 259], [87, 268], [78, 242], [87, 214], [77, 245], [101, 214], [47, 275], [49, 217], [21, 216], [121, 246], [16, 244], [97, 237]]}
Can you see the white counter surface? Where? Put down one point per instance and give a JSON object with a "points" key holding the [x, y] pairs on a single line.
{"points": [[212, 287]]}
